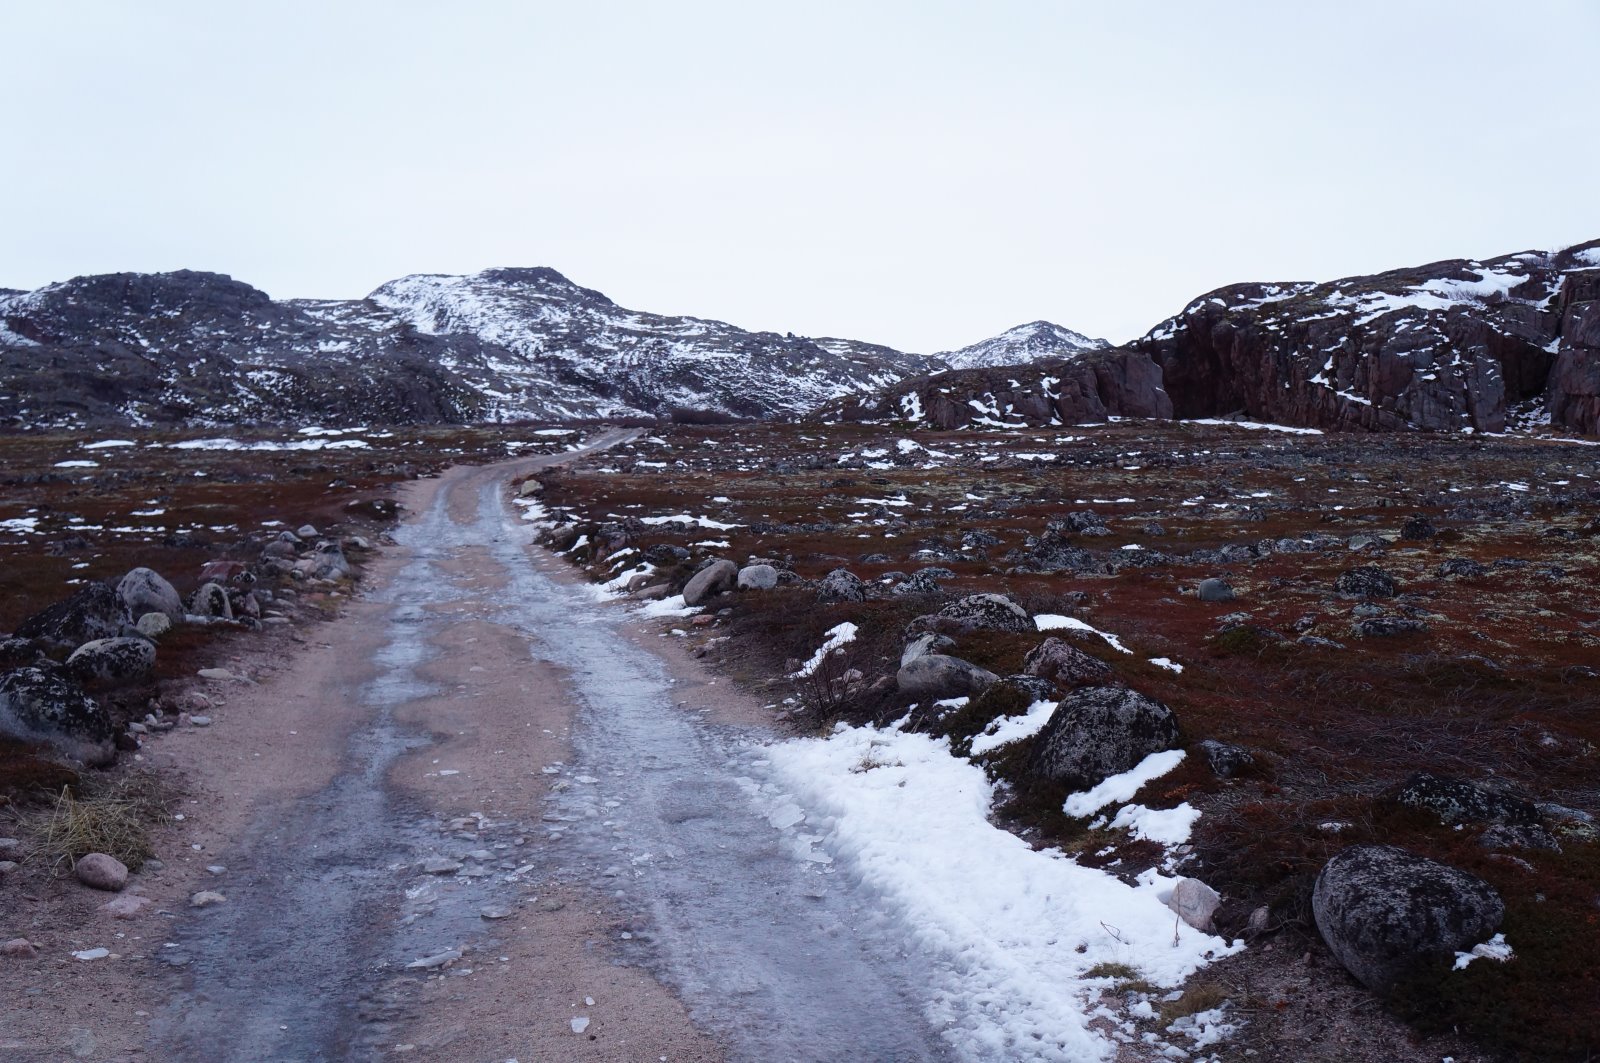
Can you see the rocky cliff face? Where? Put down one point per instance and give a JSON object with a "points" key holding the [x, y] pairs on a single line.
{"points": [[499, 345], [1452, 345], [1083, 388]]}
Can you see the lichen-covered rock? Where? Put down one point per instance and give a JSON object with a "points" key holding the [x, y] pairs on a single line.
{"points": [[710, 581], [984, 612], [1064, 663], [1385, 912], [112, 662], [934, 675], [932, 642], [153, 625], [143, 590], [211, 600], [331, 562], [45, 704], [1097, 732], [1368, 581], [1226, 760], [841, 585], [1387, 626], [94, 612], [1460, 568], [1214, 590], [1458, 801]]}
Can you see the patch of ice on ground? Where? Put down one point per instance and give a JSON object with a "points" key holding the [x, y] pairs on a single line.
{"points": [[106, 444], [1168, 663], [1167, 826], [1256, 425], [1008, 932], [1009, 729], [78, 463], [1495, 949], [20, 524], [673, 606], [1054, 622], [1123, 786], [685, 518]]}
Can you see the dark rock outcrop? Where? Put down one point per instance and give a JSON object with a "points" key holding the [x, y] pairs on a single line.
{"points": [[94, 612], [45, 704]]}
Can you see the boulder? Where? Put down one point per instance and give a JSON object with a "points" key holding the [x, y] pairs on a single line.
{"points": [[1227, 760], [1385, 912], [330, 562], [841, 585], [1195, 902], [1097, 732], [932, 642], [153, 625], [225, 572], [94, 612], [1367, 581], [1063, 663], [1458, 801], [1460, 568], [934, 675], [985, 612], [211, 600], [144, 591], [757, 578], [1214, 590], [530, 489], [46, 704], [307, 531], [101, 872], [113, 662], [1418, 528], [1387, 626], [279, 550], [710, 581]]}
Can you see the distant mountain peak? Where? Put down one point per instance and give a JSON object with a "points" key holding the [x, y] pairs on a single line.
{"points": [[1025, 343]]}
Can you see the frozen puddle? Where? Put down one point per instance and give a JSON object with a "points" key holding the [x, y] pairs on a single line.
{"points": [[816, 899]]}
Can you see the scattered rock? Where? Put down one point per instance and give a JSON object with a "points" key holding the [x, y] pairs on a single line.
{"points": [[932, 642], [1418, 528], [841, 585], [1097, 732], [438, 959], [1368, 581], [1457, 801], [1460, 568], [307, 531], [153, 625], [113, 662], [101, 872], [934, 675], [757, 578], [1214, 590], [1227, 761], [497, 911], [441, 865], [984, 612], [1387, 626], [1063, 663], [1195, 902], [211, 600], [143, 590], [45, 703], [19, 948], [1384, 912], [710, 581], [94, 612], [330, 563], [206, 899], [126, 905]]}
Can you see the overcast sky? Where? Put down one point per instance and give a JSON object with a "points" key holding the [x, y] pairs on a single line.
{"points": [[918, 174]]}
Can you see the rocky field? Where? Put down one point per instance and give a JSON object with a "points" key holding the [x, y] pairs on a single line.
{"points": [[1306, 685], [1377, 660]]}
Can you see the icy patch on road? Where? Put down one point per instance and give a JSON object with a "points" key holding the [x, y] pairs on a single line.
{"points": [[1010, 932]]}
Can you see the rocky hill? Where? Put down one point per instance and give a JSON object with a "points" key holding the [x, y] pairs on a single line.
{"points": [[1035, 341], [500, 345]]}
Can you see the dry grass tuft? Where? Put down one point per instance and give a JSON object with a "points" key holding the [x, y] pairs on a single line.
{"points": [[115, 820]]}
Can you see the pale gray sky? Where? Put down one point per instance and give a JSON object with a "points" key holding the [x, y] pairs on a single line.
{"points": [[918, 174]]}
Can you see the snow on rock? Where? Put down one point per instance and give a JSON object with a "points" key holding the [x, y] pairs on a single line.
{"points": [[837, 636], [1055, 622], [1025, 343], [1009, 932], [1123, 786], [1010, 729]]}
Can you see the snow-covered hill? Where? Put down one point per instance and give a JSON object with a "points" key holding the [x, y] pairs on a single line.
{"points": [[1035, 341]]}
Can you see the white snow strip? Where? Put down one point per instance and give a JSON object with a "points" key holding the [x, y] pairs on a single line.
{"points": [[1168, 663], [1168, 826], [673, 606], [1008, 933], [78, 463], [1009, 729], [1495, 949], [1257, 426], [837, 636], [106, 444], [685, 518], [1053, 622], [1123, 786]]}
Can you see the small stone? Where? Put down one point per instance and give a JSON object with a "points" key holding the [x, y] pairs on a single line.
{"points": [[200, 721], [441, 865], [91, 954], [126, 906], [1195, 902], [219, 674], [496, 911], [7, 866], [438, 959], [101, 872], [19, 948], [580, 1024], [206, 898]]}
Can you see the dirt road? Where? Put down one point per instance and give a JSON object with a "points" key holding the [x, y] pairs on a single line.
{"points": [[487, 819]]}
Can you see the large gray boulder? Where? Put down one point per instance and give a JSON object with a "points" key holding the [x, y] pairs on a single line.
{"points": [[710, 581], [1097, 732], [934, 675], [330, 562], [1214, 590], [1458, 801], [1063, 663], [94, 612], [1368, 581], [112, 662], [984, 612], [211, 600], [1385, 912], [143, 590], [758, 578], [932, 642], [841, 585], [45, 704]]}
